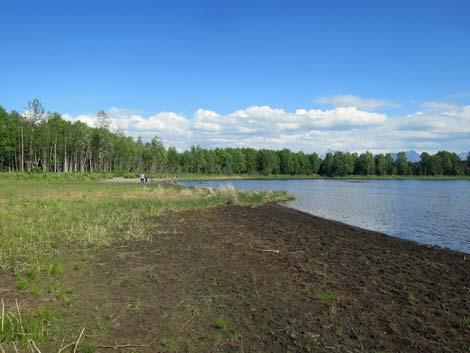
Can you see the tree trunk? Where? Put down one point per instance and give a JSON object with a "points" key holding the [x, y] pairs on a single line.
{"points": [[22, 150], [65, 154]]}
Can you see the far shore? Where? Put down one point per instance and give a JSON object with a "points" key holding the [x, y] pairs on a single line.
{"points": [[209, 177]]}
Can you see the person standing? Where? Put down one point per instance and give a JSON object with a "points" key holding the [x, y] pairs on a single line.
{"points": [[142, 178]]}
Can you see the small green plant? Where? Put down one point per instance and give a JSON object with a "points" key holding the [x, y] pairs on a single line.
{"points": [[21, 283], [325, 296], [294, 334], [411, 297], [222, 322], [169, 342], [32, 272], [89, 347], [339, 332], [235, 336], [119, 281], [79, 265], [466, 321], [63, 294], [55, 269], [307, 291], [36, 290], [136, 304]]}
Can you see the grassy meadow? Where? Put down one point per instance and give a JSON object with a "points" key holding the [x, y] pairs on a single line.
{"points": [[48, 225]]}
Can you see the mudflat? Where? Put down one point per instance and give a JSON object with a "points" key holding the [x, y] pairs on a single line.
{"points": [[271, 279]]}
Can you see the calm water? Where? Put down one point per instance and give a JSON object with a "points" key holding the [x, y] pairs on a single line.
{"points": [[429, 211]]}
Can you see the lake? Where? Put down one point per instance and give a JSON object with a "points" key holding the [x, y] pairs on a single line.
{"points": [[433, 212]]}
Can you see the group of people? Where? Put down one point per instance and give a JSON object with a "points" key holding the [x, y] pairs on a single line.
{"points": [[144, 179]]}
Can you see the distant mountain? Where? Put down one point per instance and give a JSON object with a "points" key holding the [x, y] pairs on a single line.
{"points": [[411, 156], [463, 156]]}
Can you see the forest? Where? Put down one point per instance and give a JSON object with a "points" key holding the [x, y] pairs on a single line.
{"points": [[45, 142]]}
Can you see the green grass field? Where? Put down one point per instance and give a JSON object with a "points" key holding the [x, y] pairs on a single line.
{"points": [[42, 215]]}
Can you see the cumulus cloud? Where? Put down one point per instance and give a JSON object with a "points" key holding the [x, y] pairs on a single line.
{"points": [[349, 100], [341, 128]]}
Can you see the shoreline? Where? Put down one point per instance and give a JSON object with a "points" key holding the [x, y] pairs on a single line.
{"points": [[274, 279], [358, 228]]}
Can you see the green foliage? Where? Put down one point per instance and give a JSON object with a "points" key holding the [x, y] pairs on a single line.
{"points": [[89, 346], [21, 327], [136, 305], [339, 332], [235, 336], [222, 322], [21, 283], [169, 342], [411, 296], [47, 143], [36, 290], [55, 268], [466, 321], [324, 296]]}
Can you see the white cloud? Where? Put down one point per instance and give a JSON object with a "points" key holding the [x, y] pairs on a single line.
{"points": [[439, 106], [349, 100], [341, 128]]}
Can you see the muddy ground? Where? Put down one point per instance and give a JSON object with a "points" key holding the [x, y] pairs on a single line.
{"points": [[271, 279]]}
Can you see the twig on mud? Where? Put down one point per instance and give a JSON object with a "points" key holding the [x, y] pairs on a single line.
{"points": [[270, 250], [187, 322], [14, 346], [66, 346], [1, 348], [61, 344], [181, 302], [78, 341], [116, 346], [36, 347]]}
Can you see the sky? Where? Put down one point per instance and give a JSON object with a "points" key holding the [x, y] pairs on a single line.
{"points": [[308, 75]]}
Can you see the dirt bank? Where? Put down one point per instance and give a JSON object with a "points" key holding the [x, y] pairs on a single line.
{"points": [[278, 281], [270, 279]]}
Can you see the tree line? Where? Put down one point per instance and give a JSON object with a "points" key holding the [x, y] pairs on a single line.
{"points": [[44, 142]]}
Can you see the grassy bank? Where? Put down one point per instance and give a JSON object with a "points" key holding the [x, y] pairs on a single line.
{"points": [[200, 176], [50, 223]]}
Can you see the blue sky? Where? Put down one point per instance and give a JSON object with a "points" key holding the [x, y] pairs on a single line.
{"points": [[154, 65]]}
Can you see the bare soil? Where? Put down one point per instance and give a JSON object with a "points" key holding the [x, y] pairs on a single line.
{"points": [[271, 279]]}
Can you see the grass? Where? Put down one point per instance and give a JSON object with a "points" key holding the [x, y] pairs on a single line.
{"points": [[39, 215], [136, 305], [466, 321], [411, 296], [222, 322], [320, 296], [21, 283], [43, 214], [324, 296], [23, 327], [169, 342]]}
